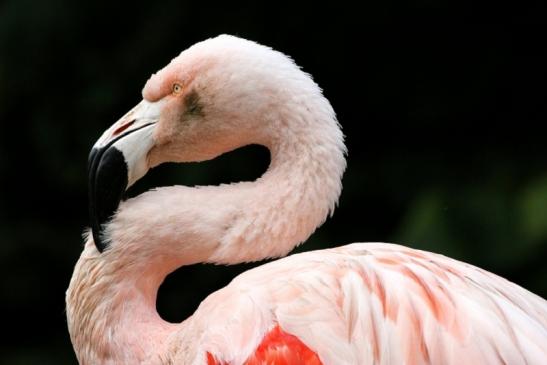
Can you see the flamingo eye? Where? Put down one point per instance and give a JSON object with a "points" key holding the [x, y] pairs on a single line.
{"points": [[177, 88]]}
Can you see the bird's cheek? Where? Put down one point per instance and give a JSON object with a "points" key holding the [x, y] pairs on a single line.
{"points": [[174, 150], [168, 127], [154, 157]]}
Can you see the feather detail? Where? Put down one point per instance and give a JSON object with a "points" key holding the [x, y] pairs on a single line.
{"points": [[279, 348]]}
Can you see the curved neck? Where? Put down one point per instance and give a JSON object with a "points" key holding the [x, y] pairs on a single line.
{"points": [[161, 230], [111, 312], [245, 221]]}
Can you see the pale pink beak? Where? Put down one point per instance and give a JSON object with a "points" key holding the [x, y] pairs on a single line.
{"points": [[117, 160]]}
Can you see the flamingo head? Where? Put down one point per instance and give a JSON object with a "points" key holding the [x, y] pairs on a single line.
{"points": [[218, 95]]}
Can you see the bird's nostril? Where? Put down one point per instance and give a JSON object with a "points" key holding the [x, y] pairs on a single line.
{"points": [[123, 127]]}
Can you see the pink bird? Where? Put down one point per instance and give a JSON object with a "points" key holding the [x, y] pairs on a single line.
{"points": [[364, 303]]}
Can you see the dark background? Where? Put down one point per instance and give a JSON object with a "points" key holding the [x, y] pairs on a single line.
{"points": [[443, 112]]}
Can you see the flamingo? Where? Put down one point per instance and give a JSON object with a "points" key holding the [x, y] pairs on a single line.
{"points": [[363, 303]]}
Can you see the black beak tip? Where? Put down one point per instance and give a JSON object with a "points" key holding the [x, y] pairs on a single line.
{"points": [[107, 171]]}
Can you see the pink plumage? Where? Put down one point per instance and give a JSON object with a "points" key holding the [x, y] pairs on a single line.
{"points": [[365, 303], [279, 348]]}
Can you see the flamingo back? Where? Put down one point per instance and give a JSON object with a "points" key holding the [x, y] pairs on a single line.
{"points": [[373, 303]]}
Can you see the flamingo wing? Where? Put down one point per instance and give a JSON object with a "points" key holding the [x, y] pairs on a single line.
{"points": [[378, 304], [278, 348]]}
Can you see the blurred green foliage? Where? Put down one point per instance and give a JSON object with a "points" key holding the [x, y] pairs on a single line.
{"points": [[442, 125]]}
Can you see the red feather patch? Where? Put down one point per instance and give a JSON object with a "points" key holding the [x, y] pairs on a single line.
{"points": [[278, 348]]}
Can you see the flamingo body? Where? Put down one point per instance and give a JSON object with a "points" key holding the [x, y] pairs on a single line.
{"points": [[365, 303], [373, 303]]}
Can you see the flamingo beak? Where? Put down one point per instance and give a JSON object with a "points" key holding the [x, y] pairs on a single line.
{"points": [[117, 160]]}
